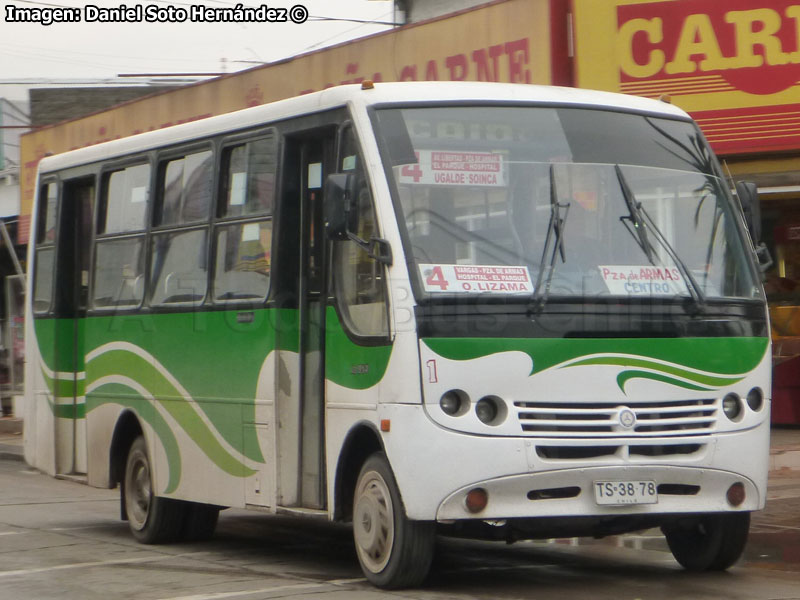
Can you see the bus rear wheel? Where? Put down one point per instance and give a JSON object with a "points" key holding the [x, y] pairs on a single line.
{"points": [[710, 542], [152, 520], [394, 552]]}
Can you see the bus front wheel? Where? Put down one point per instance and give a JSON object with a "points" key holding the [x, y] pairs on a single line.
{"points": [[710, 542], [152, 520], [394, 552]]}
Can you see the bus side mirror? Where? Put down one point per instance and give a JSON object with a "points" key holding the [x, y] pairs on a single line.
{"points": [[748, 197], [751, 209], [341, 206]]}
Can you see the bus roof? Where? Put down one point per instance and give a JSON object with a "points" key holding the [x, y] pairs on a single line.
{"points": [[381, 93]]}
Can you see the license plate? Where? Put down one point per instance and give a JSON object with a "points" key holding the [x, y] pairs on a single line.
{"points": [[625, 492]]}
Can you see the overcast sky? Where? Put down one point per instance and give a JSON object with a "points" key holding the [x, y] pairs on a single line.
{"points": [[104, 50]]}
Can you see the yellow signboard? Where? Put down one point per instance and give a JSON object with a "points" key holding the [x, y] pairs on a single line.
{"points": [[734, 65], [504, 41]]}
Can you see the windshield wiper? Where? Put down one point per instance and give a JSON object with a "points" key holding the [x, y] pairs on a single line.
{"points": [[555, 233], [642, 222], [634, 222]]}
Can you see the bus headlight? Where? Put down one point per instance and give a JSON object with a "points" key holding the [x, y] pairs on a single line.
{"points": [[732, 406], [454, 402], [491, 410], [755, 399]]}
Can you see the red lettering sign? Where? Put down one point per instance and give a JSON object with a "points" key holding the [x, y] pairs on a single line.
{"points": [[710, 46]]}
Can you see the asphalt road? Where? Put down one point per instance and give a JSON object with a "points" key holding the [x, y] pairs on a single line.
{"points": [[61, 539]]}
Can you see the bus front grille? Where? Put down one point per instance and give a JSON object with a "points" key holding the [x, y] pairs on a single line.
{"points": [[613, 419]]}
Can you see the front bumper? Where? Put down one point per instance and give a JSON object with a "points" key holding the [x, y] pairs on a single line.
{"points": [[681, 490]]}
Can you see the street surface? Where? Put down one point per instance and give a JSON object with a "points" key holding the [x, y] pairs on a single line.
{"points": [[62, 539]]}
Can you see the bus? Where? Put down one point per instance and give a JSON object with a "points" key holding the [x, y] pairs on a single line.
{"points": [[503, 312]]}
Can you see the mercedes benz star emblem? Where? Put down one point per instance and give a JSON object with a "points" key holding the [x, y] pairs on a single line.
{"points": [[627, 418]]}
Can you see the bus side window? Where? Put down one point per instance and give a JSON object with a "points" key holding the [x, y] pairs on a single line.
{"points": [[185, 185], [179, 269], [119, 253], [243, 258], [360, 281], [45, 248]]}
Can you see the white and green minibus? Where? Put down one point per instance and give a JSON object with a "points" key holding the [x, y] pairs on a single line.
{"points": [[497, 311]]}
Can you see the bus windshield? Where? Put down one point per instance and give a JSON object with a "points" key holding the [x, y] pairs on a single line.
{"points": [[545, 202]]}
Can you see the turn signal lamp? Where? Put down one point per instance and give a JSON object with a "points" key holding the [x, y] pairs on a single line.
{"points": [[736, 494], [476, 500]]}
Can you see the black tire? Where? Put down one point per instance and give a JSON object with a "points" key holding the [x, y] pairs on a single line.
{"points": [[394, 551], [709, 543], [200, 521], [152, 520]]}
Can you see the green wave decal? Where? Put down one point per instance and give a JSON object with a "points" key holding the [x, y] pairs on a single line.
{"points": [[118, 362], [64, 388], [68, 411], [76, 410], [120, 394], [711, 381], [626, 376], [723, 355]]}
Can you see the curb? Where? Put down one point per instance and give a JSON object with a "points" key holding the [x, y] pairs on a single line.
{"points": [[10, 425], [12, 451]]}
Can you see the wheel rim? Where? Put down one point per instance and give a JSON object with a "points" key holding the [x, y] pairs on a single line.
{"points": [[138, 492], [373, 522]]}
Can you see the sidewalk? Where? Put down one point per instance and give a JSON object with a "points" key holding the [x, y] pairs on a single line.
{"points": [[11, 439], [784, 453]]}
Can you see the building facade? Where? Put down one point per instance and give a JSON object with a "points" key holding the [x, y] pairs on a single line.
{"points": [[735, 66]]}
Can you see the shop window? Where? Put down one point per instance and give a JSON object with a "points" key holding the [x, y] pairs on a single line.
{"points": [[783, 284]]}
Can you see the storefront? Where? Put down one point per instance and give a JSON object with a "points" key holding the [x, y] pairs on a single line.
{"points": [[735, 66]]}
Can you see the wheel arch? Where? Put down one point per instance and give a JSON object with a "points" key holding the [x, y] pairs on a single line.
{"points": [[127, 429], [361, 442]]}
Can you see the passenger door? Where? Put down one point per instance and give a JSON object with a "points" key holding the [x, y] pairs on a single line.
{"points": [[308, 158], [60, 295]]}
